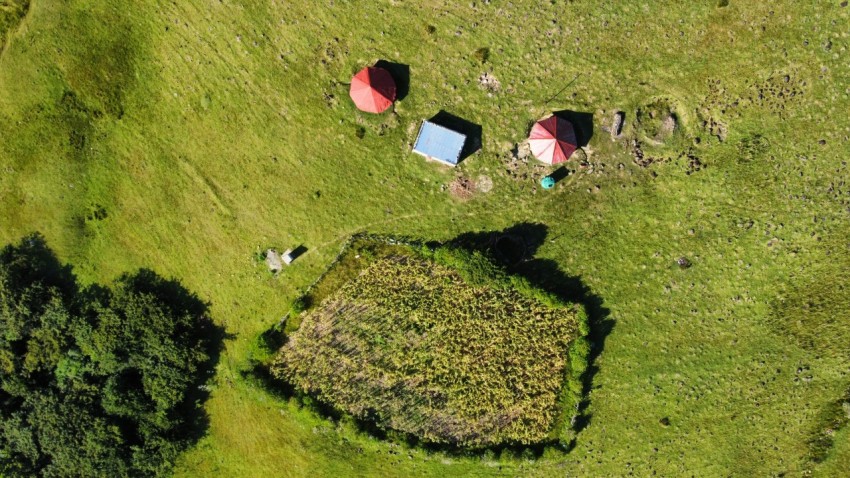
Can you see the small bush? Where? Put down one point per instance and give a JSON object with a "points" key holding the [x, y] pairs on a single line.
{"points": [[473, 266], [299, 304]]}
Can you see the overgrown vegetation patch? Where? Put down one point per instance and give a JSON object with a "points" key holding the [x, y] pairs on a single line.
{"points": [[442, 345]]}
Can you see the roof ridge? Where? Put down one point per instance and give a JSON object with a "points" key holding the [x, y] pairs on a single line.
{"points": [[444, 128]]}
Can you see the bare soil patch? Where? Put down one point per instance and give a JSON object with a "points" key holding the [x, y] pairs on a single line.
{"points": [[462, 188]]}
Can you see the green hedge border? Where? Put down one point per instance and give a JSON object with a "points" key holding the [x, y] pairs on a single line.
{"points": [[477, 268]]}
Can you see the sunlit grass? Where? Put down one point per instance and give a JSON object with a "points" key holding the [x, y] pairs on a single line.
{"points": [[216, 137]]}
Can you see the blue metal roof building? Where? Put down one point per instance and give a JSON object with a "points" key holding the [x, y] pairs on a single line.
{"points": [[439, 143]]}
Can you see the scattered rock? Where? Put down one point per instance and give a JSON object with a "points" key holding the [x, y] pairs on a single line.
{"points": [[752, 147], [484, 184], [776, 92], [683, 262], [489, 82], [617, 124], [579, 155], [720, 130], [710, 123], [517, 166], [273, 261], [96, 213], [668, 124], [330, 99], [521, 151], [640, 158], [657, 120], [693, 162]]}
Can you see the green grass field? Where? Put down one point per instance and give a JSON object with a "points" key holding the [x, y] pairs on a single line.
{"points": [[187, 136]]}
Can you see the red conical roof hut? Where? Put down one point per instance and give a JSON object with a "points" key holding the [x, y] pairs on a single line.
{"points": [[372, 89], [553, 140]]}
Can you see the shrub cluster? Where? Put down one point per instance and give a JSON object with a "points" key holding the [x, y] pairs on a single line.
{"points": [[96, 381]]}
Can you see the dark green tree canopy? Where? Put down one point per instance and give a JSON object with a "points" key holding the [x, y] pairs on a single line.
{"points": [[97, 381]]}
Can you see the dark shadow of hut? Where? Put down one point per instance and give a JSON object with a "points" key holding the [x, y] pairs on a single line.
{"points": [[401, 74], [469, 129], [582, 122]]}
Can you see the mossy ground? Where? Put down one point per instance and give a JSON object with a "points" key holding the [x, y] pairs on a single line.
{"points": [[207, 131]]}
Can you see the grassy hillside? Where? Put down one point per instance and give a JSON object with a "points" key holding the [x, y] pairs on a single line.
{"points": [[187, 136]]}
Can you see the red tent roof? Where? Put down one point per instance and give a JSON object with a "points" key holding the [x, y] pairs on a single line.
{"points": [[553, 140], [372, 90]]}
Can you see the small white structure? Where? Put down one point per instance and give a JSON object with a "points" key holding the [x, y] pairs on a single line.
{"points": [[287, 257], [273, 261], [439, 143]]}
